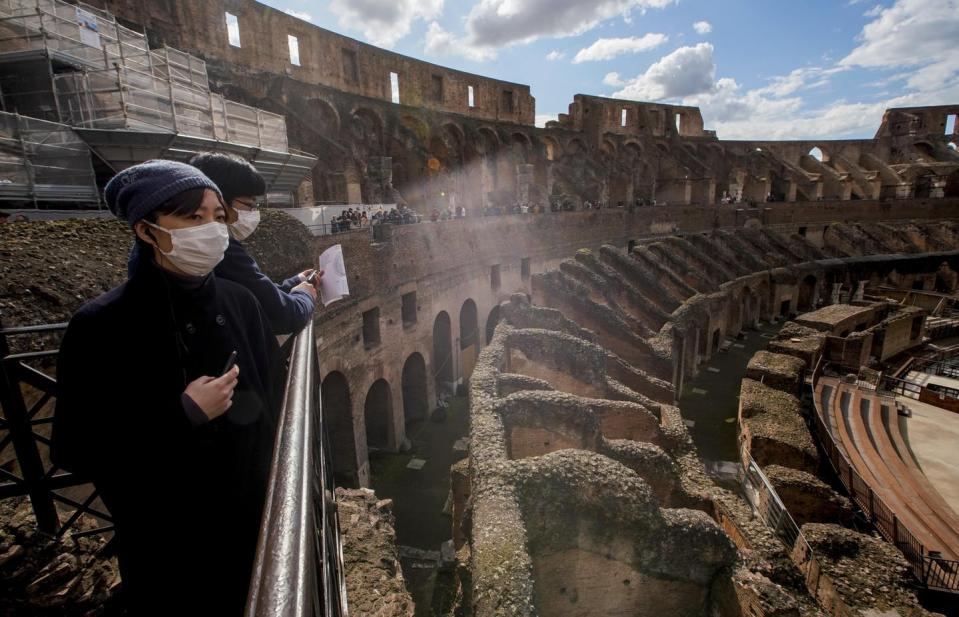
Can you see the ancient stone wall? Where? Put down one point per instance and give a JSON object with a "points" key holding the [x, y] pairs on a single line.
{"points": [[325, 58], [431, 149], [660, 308], [448, 266]]}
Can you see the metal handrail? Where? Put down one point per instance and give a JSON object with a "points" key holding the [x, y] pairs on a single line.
{"points": [[298, 570]]}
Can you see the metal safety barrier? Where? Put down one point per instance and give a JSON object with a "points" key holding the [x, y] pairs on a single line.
{"points": [[23, 426], [298, 570]]}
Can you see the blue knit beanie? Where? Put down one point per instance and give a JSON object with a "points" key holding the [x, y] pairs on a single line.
{"points": [[137, 191]]}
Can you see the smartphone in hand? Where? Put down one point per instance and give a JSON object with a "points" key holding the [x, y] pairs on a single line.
{"points": [[229, 363]]}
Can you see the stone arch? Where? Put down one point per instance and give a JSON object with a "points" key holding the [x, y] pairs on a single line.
{"points": [[487, 142], [366, 126], [491, 321], [324, 116], [415, 393], [575, 146], [521, 146], [378, 413], [926, 149], [338, 416], [633, 151], [469, 336], [469, 324], [608, 148], [442, 351], [419, 128], [553, 151], [817, 153]]}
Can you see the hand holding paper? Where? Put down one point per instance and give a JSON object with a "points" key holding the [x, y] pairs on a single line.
{"points": [[333, 285]]}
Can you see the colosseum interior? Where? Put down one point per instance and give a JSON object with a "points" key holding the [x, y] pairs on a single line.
{"points": [[573, 338]]}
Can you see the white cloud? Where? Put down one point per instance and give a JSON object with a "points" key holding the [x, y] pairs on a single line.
{"points": [[685, 72], [703, 27], [494, 24], [919, 34], [762, 114], [555, 55], [542, 119], [384, 22], [299, 14], [605, 49], [612, 79], [799, 79], [440, 42]]}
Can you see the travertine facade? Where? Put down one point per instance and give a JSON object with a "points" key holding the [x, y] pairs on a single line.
{"points": [[432, 148]]}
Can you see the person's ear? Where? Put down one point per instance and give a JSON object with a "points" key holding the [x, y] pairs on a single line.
{"points": [[143, 232]]}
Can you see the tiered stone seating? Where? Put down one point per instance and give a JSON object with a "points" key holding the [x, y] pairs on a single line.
{"points": [[866, 426]]}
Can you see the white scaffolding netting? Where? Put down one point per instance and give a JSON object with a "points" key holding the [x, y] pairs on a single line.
{"points": [[43, 161], [120, 83]]}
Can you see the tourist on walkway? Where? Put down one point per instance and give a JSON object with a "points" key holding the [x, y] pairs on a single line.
{"points": [[176, 441], [289, 305]]}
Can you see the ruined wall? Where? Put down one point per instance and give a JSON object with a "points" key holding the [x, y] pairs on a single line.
{"points": [[657, 309], [448, 267], [432, 150], [199, 26]]}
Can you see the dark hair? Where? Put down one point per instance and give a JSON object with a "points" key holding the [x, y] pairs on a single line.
{"points": [[181, 204], [234, 175]]}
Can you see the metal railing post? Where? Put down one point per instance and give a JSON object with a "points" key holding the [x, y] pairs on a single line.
{"points": [[24, 445]]}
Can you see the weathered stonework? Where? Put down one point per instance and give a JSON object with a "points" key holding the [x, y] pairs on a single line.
{"points": [[374, 580]]}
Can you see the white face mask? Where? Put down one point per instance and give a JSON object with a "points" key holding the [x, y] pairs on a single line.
{"points": [[196, 250], [245, 224]]}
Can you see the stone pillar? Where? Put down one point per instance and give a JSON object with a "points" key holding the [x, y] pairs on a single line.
{"points": [[791, 189], [836, 291], [379, 171], [304, 193], [525, 176], [817, 190], [860, 291], [938, 188], [904, 190], [846, 190]]}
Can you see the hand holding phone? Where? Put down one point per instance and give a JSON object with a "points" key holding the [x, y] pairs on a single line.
{"points": [[229, 363]]}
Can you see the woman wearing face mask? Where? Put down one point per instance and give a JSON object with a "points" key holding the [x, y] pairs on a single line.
{"points": [[289, 305], [177, 444]]}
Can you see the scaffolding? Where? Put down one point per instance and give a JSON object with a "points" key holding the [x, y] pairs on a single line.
{"points": [[117, 82], [44, 161], [72, 64]]}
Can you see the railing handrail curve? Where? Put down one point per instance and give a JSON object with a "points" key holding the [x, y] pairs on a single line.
{"points": [[296, 573]]}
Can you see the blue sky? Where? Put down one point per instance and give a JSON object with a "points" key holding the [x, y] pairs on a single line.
{"points": [[774, 69]]}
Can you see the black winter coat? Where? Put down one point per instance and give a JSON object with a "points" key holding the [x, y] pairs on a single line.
{"points": [[187, 500]]}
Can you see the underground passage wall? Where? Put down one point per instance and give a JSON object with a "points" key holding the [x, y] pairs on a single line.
{"points": [[409, 292], [586, 495]]}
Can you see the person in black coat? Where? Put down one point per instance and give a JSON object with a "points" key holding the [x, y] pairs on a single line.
{"points": [[178, 445], [289, 305]]}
